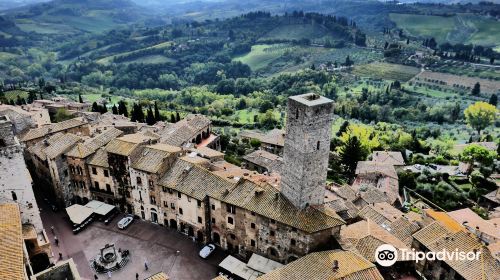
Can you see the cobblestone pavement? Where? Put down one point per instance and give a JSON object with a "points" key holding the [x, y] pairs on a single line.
{"points": [[148, 242]]}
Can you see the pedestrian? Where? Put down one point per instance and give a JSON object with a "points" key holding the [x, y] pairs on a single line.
{"points": [[60, 256], [137, 276], [146, 265], [52, 229], [109, 274], [95, 277], [56, 240]]}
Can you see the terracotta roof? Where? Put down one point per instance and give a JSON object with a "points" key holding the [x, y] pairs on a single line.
{"points": [[445, 220], [265, 159], [207, 152], [126, 144], [373, 188], [386, 157], [367, 236], [403, 229], [319, 265], [372, 167], [85, 149], [183, 131], [265, 200], [11, 243], [158, 276], [54, 146], [380, 213], [274, 137], [437, 237], [469, 218], [99, 158], [153, 157], [51, 129]]}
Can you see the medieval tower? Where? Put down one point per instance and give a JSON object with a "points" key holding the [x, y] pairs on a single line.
{"points": [[307, 147]]}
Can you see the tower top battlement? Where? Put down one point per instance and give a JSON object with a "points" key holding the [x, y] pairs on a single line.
{"points": [[310, 99]]}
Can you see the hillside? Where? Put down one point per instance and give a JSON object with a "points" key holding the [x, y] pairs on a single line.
{"points": [[70, 17]]}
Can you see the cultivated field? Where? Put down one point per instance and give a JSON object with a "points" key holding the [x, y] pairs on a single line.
{"points": [[262, 55], [386, 71], [457, 82], [461, 28]]}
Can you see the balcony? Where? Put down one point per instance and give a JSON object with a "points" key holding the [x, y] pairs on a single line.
{"points": [[101, 191]]}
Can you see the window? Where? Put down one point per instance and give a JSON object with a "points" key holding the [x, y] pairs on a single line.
{"points": [[294, 229], [272, 233], [94, 171], [170, 191], [199, 203], [213, 206], [253, 213], [297, 113], [189, 199], [96, 185], [139, 181], [293, 242], [233, 236], [14, 195], [108, 188], [82, 184], [165, 204], [252, 243], [213, 220], [252, 225], [272, 221], [180, 211], [65, 172], [179, 194], [150, 182], [231, 209], [317, 145], [172, 205], [230, 220], [152, 200], [200, 220], [106, 173], [72, 169]]}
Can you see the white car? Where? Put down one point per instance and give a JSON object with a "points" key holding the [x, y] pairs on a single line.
{"points": [[207, 250], [125, 222]]}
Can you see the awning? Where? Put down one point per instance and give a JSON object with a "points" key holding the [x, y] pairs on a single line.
{"points": [[238, 268], [100, 208], [78, 213], [262, 264]]}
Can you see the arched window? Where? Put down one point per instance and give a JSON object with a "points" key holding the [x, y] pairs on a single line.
{"points": [[14, 196]]}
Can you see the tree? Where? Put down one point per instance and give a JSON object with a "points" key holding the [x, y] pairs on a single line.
{"points": [[477, 153], [61, 115], [350, 153], [493, 99], [122, 108], [177, 117], [157, 113], [95, 107], [480, 115], [114, 109], [476, 90], [150, 117], [80, 99], [172, 118]]}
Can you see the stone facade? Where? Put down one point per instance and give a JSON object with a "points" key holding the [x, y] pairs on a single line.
{"points": [[307, 146]]}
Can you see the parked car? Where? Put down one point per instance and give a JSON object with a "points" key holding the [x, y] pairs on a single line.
{"points": [[125, 222], [207, 251]]}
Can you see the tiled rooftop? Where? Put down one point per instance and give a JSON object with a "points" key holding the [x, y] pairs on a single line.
{"points": [[11, 243]]}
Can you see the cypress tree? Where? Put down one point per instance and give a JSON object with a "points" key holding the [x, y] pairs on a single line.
{"points": [[178, 117], [150, 118], [157, 113], [95, 107], [80, 99], [172, 118], [114, 109], [493, 99], [350, 153]]}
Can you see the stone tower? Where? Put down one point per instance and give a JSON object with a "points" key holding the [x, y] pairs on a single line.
{"points": [[307, 147]]}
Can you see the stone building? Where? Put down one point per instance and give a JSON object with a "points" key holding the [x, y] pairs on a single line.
{"points": [[333, 265], [16, 187], [145, 173], [272, 141], [51, 166], [122, 152], [102, 186], [75, 126], [242, 216], [76, 159], [307, 147], [21, 120], [263, 162], [193, 129]]}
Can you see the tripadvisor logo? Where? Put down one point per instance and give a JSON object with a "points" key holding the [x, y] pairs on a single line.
{"points": [[387, 255]]}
